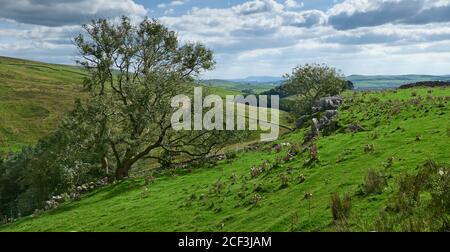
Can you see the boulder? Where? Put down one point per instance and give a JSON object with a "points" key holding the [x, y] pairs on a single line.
{"points": [[331, 114], [327, 103], [315, 127]]}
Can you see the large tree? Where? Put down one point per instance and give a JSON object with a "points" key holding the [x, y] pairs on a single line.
{"points": [[308, 83], [134, 71]]}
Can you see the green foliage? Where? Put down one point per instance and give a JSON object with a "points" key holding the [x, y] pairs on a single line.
{"points": [[310, 82], [421, 203], [374, 183], [134, 72], [55, 165], [341, 207]]}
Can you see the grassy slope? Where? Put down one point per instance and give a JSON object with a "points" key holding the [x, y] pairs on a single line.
{"points": [[238, 86], [33, 97], [186, 202]]}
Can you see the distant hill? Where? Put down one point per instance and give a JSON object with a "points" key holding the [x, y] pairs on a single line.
{"points": [[361, 82], [392, 81], [34, 96], [259, 79]]}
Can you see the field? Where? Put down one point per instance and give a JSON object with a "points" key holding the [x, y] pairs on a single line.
{"points": [[405, 128], [33, 98]]}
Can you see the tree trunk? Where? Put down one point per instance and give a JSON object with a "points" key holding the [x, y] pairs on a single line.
{"points": [[123, 170], [105, 165]]}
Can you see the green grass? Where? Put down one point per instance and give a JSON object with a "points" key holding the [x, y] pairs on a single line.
{"points": [[33, 98], [239, 87], [189, 200]]}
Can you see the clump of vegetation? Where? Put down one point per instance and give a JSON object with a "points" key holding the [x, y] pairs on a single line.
{"points": [[255, 171], [374, 183], [390, 162], [414, 94], [340, 207], [418, 138], [256, 198], [308, 197], [234, 178], [313, 152], [301, 179], [218, 187], [284, 178], [369, 148], [421, 203], [373, 135], [343, 156]]}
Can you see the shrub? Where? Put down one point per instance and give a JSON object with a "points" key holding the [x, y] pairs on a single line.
{"points": [[340, 207], [374, 182], [234, 178], [256, 198], [421, 203], [284, 180], [414, 94], [218, 187], [301, 178], [256, 171], [369, 148], [390, 162]]}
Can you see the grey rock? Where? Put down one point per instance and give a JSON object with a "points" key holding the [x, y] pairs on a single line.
{"points": [[331, 114], [327, 103]]}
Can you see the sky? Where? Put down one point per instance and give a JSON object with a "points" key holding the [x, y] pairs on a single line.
{"points": [[253, 37]]}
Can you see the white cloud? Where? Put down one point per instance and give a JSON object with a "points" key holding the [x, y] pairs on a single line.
{"points": [[268, 37], [258, 6], [67, 12], [172, 4], [293, 4]]}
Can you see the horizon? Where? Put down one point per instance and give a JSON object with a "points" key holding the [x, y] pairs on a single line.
{"points": [[258, 76], [255, 37]]}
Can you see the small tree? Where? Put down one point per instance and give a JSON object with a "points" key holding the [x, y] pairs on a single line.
{"points": [[134, 71], [310, 82]]}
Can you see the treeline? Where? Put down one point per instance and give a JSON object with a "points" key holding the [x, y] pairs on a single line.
{"points": [[426, 84]]}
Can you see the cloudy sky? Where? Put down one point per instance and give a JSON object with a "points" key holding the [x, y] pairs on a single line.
{"points": [[254, 37]]}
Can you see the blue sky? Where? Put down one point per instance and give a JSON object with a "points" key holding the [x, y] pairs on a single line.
{"points": [[254, 37]]}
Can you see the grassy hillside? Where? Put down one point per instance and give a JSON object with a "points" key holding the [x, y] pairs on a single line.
{"points": [[33, 97], [240, 86], [405, 129]]}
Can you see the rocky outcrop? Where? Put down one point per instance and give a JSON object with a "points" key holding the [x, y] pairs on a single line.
{"points": [[327, 103], [327, 108]]}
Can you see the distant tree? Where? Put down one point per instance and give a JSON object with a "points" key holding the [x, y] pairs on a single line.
{"points": [[308, 83], [134, 71], [350, 85]]}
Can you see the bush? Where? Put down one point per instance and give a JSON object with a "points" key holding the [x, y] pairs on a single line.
{"points": [[421, 203], [340, 207], [284, 180], [369, 148], [374, 182]]}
